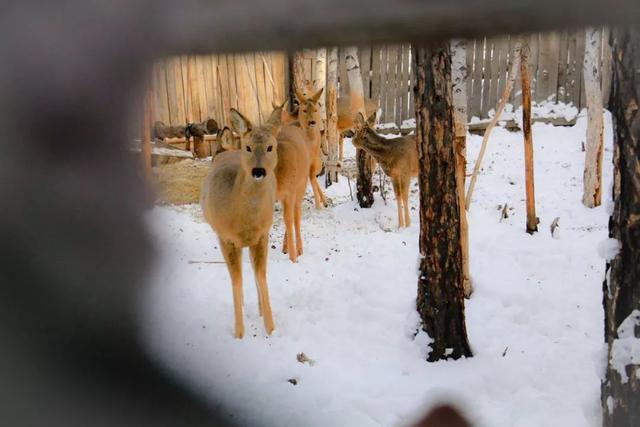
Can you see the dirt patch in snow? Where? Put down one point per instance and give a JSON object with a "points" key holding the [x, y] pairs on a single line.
{"points": [[179, 183]]}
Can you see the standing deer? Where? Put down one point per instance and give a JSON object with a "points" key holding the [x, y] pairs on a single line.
{"points": [[237, 201], [291, 176], [398, 158], [310, 119]]}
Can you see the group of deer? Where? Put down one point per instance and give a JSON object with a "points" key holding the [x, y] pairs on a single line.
{"points": [[274, 162]]}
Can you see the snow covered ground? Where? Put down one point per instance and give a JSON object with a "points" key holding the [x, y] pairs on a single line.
{"points": [[535, 321]]}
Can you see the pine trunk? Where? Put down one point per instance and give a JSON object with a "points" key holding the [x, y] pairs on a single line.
{"points": [[621, 388], [532, 219], [364, 185], [594, 147], [332, 117], [440, 299]]}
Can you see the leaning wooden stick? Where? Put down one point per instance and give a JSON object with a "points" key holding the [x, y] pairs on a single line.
{"points": [[513, 72], [532, 219]]}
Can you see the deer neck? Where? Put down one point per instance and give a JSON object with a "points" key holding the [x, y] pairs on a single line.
{"points": [[376, 145]]}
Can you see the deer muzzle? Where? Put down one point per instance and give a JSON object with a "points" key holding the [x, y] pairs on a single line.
{"points": [[258, 173]]}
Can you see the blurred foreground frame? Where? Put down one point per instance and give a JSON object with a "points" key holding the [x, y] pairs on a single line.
{"points": [[73, 249]]}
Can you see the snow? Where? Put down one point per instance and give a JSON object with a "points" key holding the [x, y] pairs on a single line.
{"points": [[534, 321], [625, 349]]}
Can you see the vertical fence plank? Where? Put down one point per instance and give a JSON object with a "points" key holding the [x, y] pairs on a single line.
{"points": [[580, 40], [534, 59], [562, 66], [488, 78], [516, 94], [390, 93], [412, 85], [160, 93], [263, 99], [548, 66], [181, 116], [376, 72], [365, 69], [476, 97]]}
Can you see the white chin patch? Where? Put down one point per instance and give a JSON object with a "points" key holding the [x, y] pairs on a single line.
{"points": [[258, 178]]}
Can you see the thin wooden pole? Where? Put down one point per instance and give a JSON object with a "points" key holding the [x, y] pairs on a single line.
{"points": [[532, 220], [147, 118], [513, 72]]}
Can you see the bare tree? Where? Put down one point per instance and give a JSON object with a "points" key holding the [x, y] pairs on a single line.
{"points": [[440, 284], [592, 195], [621, 288], [356, 98]]}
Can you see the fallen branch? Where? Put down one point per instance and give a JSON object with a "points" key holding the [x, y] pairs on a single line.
{"points": [[513, 72], [554, 225]]}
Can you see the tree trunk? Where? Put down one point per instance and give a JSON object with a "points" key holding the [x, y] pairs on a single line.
{"points": [[332, 117], [320, 82], [459, 75], [364, 185], [440, 285], [532, 219], [300, 77], [621, 388], [513, 73], [592, 181]]}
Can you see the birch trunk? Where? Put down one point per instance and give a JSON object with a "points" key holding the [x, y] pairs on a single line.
{"points": [[621, 289], [592, 178], [440, 301], [532, 219], [332, 117], [459, 76], [356, 98]]}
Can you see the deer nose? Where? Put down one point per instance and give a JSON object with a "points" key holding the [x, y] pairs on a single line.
{"points": [[312, 122], [258, 173]]}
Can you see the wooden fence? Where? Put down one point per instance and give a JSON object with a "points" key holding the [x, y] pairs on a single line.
{"points": [[194, 88]]}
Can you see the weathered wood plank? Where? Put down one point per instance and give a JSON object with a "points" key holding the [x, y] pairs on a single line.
{"points": [[488, 89], [580, 39], [476, 91], [161, 110], [376, 72], [548, 66]]}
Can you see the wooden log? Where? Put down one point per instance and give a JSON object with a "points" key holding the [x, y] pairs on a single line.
{"points": [[592, 178], [513, 72], [532, 219], [440, 299]]}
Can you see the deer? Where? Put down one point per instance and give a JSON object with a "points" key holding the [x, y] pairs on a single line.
{"points": [[398, 158], [237, 200], [309, 119], [345, 118], [291, 178]]}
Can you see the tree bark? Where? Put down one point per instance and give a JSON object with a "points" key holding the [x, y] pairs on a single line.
{"points": [[459, 76], [621, 288], [592, 181], [532, 219], [440, 299], [364, 186], [332, 117], [300, 78]]}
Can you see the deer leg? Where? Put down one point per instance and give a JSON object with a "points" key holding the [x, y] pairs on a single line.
{"points": [[233, 258], [297, 218], [405, 201], [284, 239], [258, 254], [397, 191], [316, 189], [288, 205]]}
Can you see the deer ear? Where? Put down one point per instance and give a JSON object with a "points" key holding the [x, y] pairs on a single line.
{"points": [[359, 121], [239, 122], [275, 120], [226, 139], [316, 96], [371, 121], [300, 95]]}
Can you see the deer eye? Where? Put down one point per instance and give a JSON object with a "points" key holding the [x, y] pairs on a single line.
{"points": [[248, 149], [304, 111], [270, 148]]}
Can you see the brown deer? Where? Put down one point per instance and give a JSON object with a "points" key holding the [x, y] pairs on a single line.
{"points": [[237, 200], [345, 118], [398, 158], [310, 119], [291, 176]]}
